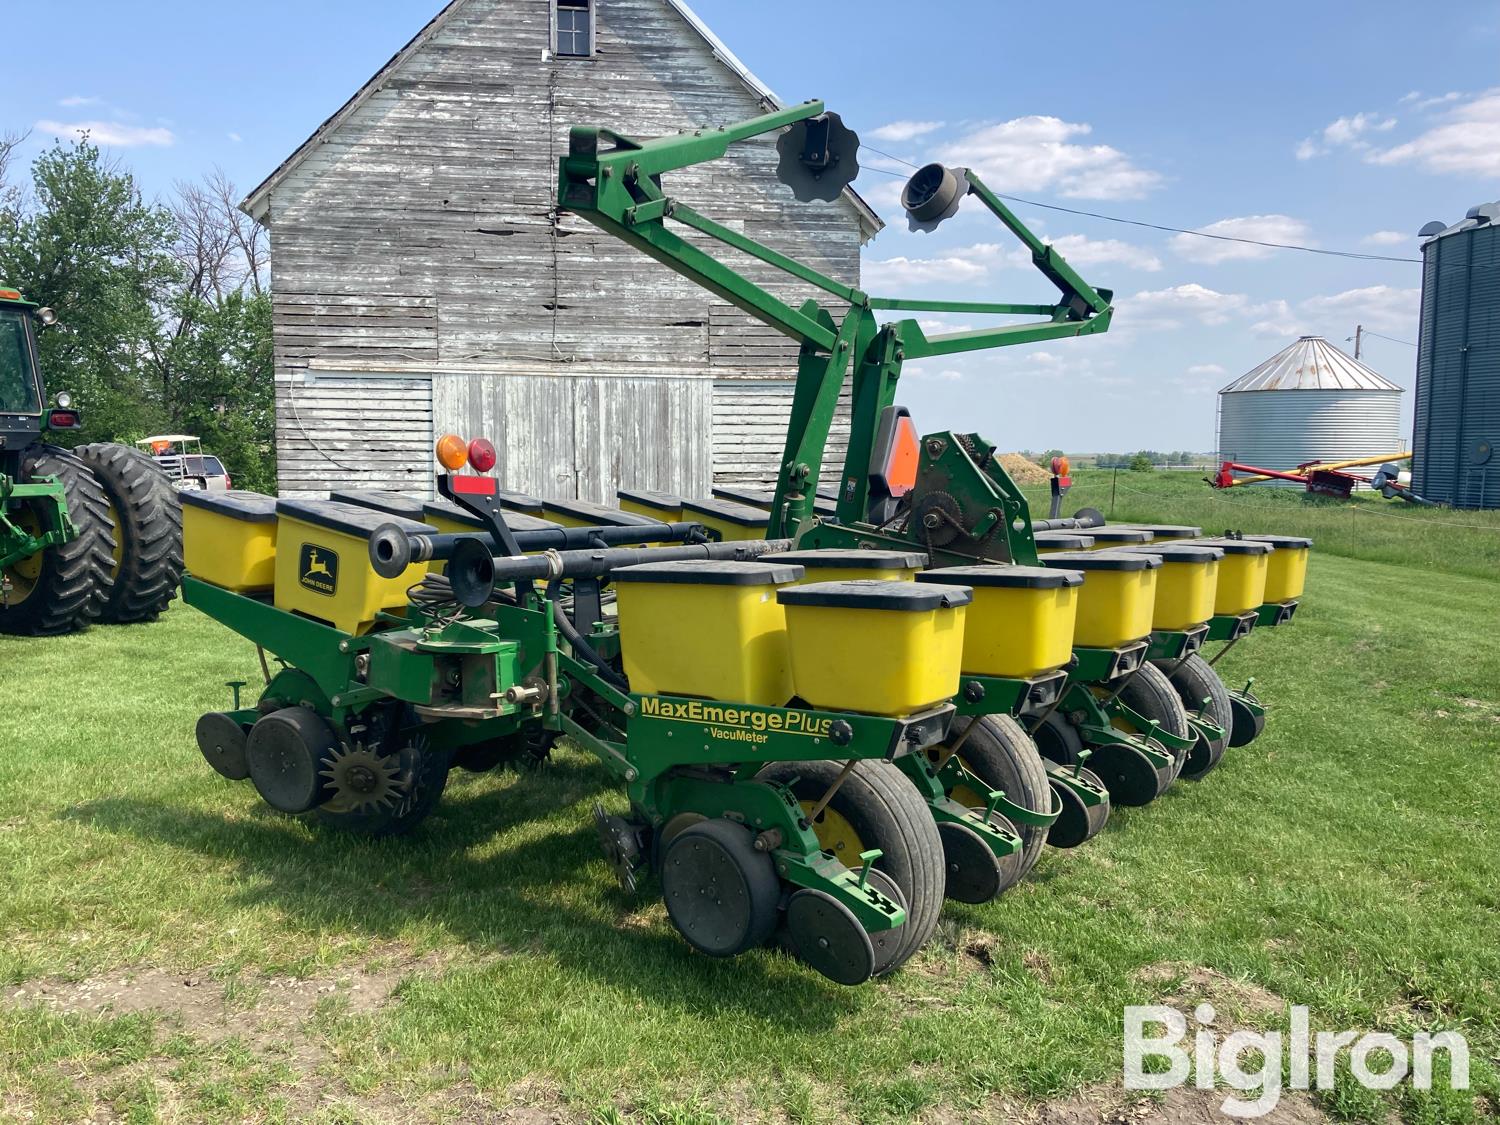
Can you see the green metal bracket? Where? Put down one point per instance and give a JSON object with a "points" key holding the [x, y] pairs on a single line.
{"points": [[17, 544], [945, 810]]}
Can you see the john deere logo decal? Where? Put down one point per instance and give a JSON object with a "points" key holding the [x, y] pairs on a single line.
{"points": [[319, 568]]}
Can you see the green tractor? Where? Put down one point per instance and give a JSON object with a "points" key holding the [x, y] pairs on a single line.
{"points": [[89, 534]]}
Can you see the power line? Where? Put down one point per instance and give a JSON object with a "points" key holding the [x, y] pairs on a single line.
{"points": [[1392, 339], [1171, 230]]}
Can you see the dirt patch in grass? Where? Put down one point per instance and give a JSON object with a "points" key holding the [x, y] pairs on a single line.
{"points": [[258, 1009], [1186, 986], [1188, 1106]]}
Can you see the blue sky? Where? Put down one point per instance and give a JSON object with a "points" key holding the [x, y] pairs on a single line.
{"points": [[1340, 125]]}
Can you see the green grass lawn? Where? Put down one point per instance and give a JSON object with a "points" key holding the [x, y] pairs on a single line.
{"points": [[172, 950]]}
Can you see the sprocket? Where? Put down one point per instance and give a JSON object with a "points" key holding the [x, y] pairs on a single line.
{"points": [[936, 518]]}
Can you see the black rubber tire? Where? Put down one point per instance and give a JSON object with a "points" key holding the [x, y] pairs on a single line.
{"points": [[425, 771], [759, 892], [1002, 755], [1151, 695], [147, 532], [888, 813], [1194, 680], [74, 580], [1058, 740]]}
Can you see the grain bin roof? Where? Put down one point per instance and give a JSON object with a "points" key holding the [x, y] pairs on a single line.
{"points": [[1310, 364]]}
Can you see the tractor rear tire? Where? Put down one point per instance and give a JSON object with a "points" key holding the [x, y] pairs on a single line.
{"points": [[1002, 755], [884, 811], [67, 585], [147, 518]]}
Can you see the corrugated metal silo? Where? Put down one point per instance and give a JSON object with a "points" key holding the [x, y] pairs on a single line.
{"points": [[1308, 402], [1457, 416]]}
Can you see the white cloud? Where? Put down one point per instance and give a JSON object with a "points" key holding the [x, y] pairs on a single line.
{"points": [[905, 130], [235, 137], [110, 133], [78, 100], [1265, 228], [890, 275], [1043, 154], [1441, 99], [1386, 238], [1206, 369], [1381, 307], [1466, 142], [943, 374], [1166, 308], [1346, 132]]}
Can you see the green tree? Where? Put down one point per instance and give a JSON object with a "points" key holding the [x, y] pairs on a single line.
{"points": [[1142, 463], [84, 241]]}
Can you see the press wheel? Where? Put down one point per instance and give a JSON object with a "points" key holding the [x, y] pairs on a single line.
{"points": [[1151, 695], [1078, 823], [826, 935], [1195, 682], [721, 893], [1246, 725], [999, 752], [221, 740], [974, 872], [876, 807], [1130, 776]]}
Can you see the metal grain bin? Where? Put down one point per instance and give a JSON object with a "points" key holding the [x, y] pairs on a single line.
{"points": [[1457, 417], [1308, 402]]}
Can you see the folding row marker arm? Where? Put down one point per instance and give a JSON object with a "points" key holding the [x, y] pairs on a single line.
{"points": [[615, 182]]}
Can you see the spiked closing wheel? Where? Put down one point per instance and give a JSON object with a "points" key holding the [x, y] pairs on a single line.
{"points": [[721, 893], [826, 934], [363, 781], [620, 845], [1130, 776], [222, 743], [974, 872]]}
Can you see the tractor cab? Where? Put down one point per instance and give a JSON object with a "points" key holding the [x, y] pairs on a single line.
{"points": [[20, 381]]}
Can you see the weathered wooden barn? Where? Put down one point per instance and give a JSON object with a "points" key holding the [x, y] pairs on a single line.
{"points": [[424, 281]]}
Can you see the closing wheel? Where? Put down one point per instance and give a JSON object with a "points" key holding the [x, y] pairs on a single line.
{"points": [[1079, 823], [1195, 682], [1002, 755], [721, 893], [287, 752], [221, 740], [147, 519], [826, 934], [383, 794], [1246, 724], [64, 587], [876, 807], [1130, 776], [887, 943], [1151, 695], [974, 872]]}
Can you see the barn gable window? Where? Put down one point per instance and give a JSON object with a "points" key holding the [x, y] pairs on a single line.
{"points": [[573, 28]]}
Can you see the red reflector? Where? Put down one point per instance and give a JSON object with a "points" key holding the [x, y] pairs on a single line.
{"points": [[473, 486], [62, 420], [481, 455]]}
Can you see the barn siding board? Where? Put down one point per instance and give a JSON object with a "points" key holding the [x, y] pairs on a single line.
{"points": [[353, 432], [421, 232]]}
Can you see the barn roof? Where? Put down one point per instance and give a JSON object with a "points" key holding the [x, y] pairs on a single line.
{"points": [[258, 203], [1310, 363]]}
